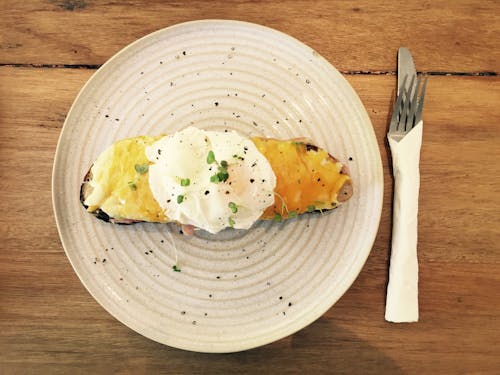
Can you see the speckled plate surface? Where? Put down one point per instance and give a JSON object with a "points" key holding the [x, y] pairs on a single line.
{"points": [[238, 289]]}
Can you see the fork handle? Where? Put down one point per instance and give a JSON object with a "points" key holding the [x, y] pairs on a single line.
{"points": [[402, 289]]}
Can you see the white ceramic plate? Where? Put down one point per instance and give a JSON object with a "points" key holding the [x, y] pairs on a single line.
{"points": [[238, 289]]}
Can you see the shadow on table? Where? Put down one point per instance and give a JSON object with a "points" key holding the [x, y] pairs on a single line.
{"points": [[323, 347]]}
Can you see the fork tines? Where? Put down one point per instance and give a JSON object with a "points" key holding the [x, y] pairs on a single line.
{"points": [[408, 107]]}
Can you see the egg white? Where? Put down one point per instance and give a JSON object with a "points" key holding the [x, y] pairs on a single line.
{"points": [[213, 206]]}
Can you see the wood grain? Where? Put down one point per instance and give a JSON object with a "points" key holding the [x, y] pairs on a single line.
{"points": [[459, 36], [50, 324]]}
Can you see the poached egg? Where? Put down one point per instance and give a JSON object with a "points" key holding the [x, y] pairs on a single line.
{"points": [[210, 179]]}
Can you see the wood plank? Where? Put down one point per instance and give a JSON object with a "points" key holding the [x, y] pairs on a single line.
{"points": [[51, 324], [459, 36]]}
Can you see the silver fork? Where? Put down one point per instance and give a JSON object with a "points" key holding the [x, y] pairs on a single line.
{"points": [[408, 107], [405, 139]]}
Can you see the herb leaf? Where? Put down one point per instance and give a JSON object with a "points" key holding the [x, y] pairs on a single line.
{"points": [[222, 176], [277, 217], [233, 207], [292, 214], [185, 181], [180, 199], [132, 185], [141, 168], [210, 157], [231, 222]]}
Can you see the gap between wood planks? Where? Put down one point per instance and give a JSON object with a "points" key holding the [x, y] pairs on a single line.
{"points": [[347, 72]]}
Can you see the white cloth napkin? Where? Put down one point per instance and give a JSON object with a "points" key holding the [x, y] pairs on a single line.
{"points": [[402, 290]]}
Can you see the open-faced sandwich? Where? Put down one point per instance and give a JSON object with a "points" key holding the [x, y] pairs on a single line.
{"points": [[212, 180]]}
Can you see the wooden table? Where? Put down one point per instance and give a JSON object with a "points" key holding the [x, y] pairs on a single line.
{"points": [[49, 323]]}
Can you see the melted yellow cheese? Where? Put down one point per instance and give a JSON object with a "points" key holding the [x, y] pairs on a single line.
{"points": [[305, 179], [119, 189]]}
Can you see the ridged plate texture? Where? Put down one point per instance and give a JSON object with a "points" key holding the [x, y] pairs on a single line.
{"points": [[237, 289]]}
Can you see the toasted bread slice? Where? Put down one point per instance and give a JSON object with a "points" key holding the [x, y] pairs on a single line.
{"points": [[308, 179]]}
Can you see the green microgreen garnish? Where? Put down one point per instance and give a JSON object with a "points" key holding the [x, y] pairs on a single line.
{"points": [[292, 214], [141, 168], [284, 207], [176, 268], [210, 157], [231, 222], [233, 207], [311, 208], [185, 181], [132, 185], [180, 199], [221, 175], [277, 217]]}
